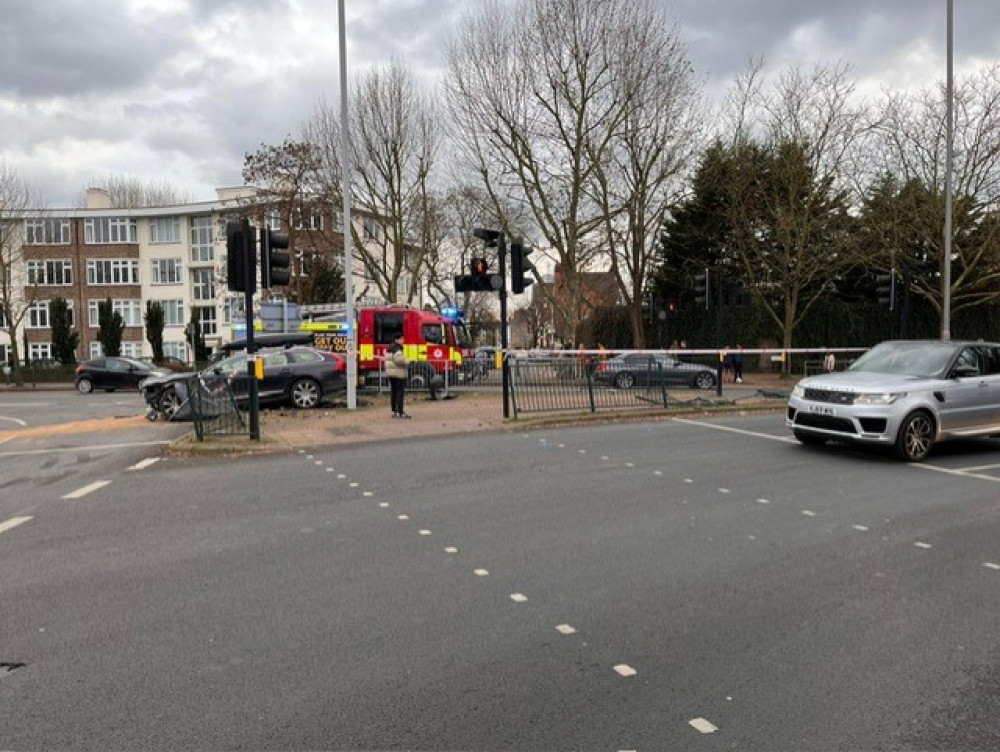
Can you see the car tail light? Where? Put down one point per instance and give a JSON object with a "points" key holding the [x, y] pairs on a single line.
{"points": [[80, 368]]}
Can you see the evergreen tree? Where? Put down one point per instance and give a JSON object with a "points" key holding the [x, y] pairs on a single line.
{"points": [[64, 337], [111, 327], [154, 329]]}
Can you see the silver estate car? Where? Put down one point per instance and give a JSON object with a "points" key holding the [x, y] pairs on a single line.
{"points": [[906, 395]]}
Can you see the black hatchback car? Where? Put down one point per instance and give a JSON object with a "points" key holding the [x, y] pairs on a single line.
{"points": [[112, 372]]}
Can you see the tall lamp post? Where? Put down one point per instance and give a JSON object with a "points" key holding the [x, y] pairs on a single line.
{"points": [[949, 145], [345, 164]]}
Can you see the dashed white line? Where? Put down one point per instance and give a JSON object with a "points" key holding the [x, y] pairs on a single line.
{"points": [[90, 488], [763, 501], [808, 513], [723, 490], [481, 572], [991, 565], [625, 670], [425, 532], [860, 528], [13, 522], [518, 597], [921, 544], [143, 464], [451, 550], [705, 727], [403, 517], [565, 629]]}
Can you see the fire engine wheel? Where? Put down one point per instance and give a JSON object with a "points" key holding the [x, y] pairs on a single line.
{"points": [[305, 394]]}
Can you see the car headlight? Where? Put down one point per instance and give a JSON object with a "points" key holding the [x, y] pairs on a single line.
{"points": [[878, 398]]}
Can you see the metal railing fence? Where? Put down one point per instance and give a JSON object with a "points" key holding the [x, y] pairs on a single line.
{"points": [[213, 407]]}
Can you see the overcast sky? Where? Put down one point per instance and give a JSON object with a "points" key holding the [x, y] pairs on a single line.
{"points": [[177, 91]]}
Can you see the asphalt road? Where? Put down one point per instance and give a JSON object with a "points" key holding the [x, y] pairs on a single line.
{"points": [[685, 584]]}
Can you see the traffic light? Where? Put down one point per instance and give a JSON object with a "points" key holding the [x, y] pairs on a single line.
{"points": [[671, 310], [241, 270], [274, 262], [520, 266], [702, 291], [480, 280], [887, 290]]}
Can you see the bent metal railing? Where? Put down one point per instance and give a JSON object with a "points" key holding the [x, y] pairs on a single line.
{"points": [[212, 405]]}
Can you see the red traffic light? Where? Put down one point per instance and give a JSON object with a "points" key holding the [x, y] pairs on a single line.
{"points": [[479, 267]]}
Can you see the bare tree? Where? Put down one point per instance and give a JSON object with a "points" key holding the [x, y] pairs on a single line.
{"points": [[533, 96], [640, 176], [17, 292], [789, 184], [130, 192], [911, 146], [395, 139]]}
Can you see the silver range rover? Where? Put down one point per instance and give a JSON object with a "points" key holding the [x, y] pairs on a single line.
{"points": [[906, 395]]}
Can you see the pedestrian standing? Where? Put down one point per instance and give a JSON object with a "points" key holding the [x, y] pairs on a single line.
{"points": [[395, 369], [736, 361], [830, 361]]}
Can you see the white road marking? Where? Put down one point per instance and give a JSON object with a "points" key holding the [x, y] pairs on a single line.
{"points": [[705, 727], [482, 572], [143, 464], [13, 522], [565, 629], [341, 476], [367, 493], [807, 513], [657, 472], [90, 488], [605, 457], [20, 422], [763, 501], [451, 550], [61, 450], [330, 470], [629, 464], [518, 597], [384, 504], [860, 528], [966, 473], [991, 565], [425, 532], [403, 517], [723, 490], [921, 544], [625, 670], [743, 431], [582, 451], [689, 480], [317, 462], [354, 484]]}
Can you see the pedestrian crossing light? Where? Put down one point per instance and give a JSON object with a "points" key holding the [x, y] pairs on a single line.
{"points": [[702, 292], [274, 259]]}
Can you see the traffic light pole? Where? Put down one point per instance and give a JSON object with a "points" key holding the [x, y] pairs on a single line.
{"points": [[502, 260], [249, 263]]}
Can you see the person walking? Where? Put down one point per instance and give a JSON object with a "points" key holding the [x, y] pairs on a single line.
{"points": [[395, 369]]}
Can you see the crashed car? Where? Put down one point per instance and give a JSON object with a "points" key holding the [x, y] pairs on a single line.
{"points": [[302, 377]]}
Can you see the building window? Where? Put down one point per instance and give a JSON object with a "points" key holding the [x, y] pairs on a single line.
{"points": [[372, 229], [113, 272], [202, 248], [308, 220], [50, 272], [132, 349], [203, 284], [273, 219], [46, 232], [167, 271], [38, 315], [176, 350], [3, 317], [107, 230], [206, 317], [165, 230], [95, 350], [173, 312], [129, 310], [39, 350]]}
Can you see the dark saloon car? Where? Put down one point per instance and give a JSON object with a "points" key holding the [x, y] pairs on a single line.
{"points": [[300, 376], [112, 372], [632, 369]]}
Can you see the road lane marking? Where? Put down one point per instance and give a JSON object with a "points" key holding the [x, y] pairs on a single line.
{"points": [[384, 504], [481, 572], [143, 464], [451, 550], [860, 528], [518, 597], [425, 532], [723, 490], [29, 452], [763, 501], [14, 420], [921, 544], [743, 431], [948, 471], [808, 513], [705, 727], [565, 629], [90, 488], [625, 670], [403, 517], [13, 522], [991, 565]]}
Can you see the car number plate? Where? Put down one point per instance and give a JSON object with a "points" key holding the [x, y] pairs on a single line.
{"points": [[822, 410]]}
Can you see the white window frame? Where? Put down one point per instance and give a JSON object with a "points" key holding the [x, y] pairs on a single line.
{"points": [[173, 312], [202, 243], [103, 272], [129, 309], [164, 230], [203, 284], [176, 349], [46, 232], [39, 350], [38, 316], [167, 271], [110, 231], [51, 272], [208, 320], [131, 349]]}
